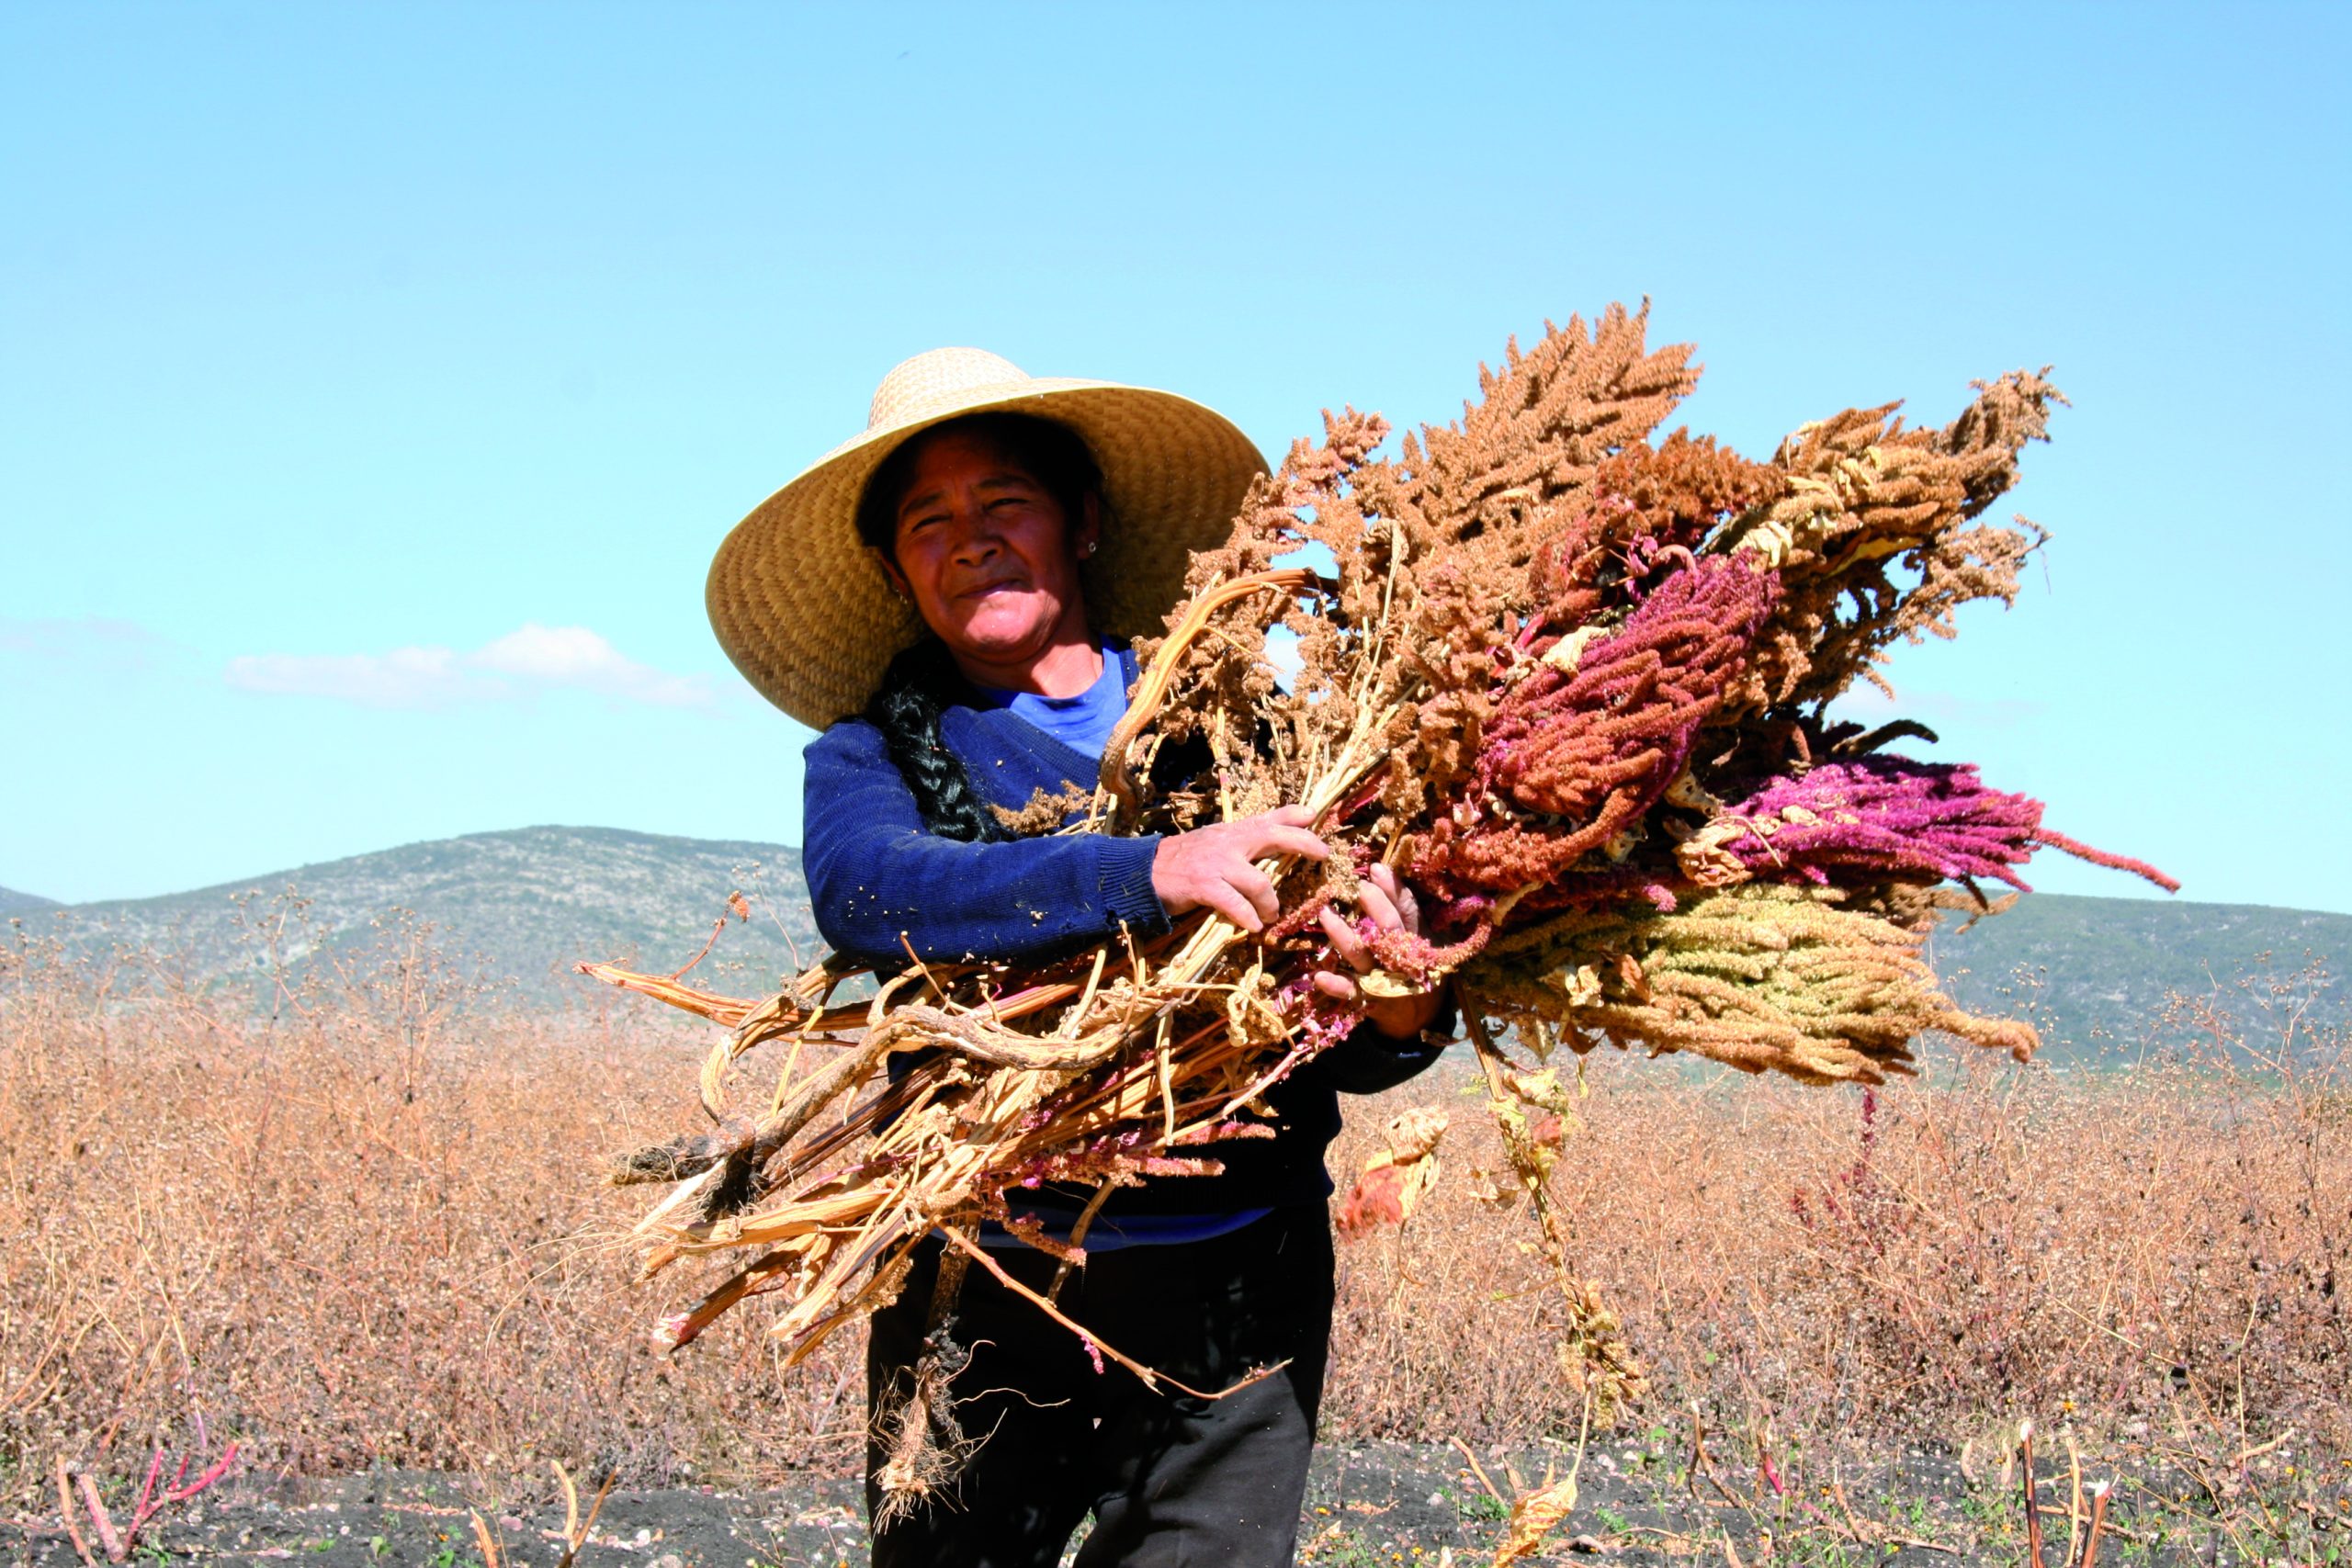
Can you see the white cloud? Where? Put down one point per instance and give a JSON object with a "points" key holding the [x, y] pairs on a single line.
{"points": [[574, 656], [404, 678], [527, 660], [1866, 704], [84, 639]]}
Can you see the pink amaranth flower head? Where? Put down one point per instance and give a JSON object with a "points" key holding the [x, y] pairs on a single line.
{"points": [[1879, 817]]}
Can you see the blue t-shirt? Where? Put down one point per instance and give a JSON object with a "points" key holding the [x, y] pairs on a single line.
{"points": [[1082, 723]]}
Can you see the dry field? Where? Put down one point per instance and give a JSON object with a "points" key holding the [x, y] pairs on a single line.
{"points": [[359, 1224]]}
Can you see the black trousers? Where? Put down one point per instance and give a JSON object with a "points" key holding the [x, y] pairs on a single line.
{"points": [[1171, 1479]]}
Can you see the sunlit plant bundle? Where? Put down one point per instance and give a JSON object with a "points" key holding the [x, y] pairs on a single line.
{"points": [[1571, 680]]}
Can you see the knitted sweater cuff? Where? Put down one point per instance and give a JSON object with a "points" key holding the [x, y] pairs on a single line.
{"points": [[1126, 883]]}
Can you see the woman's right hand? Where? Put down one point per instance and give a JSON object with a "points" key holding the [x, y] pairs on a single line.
{"points": [[1211, 866]]}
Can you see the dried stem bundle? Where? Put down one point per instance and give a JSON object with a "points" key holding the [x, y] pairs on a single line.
{"points": [[1536, 653]]}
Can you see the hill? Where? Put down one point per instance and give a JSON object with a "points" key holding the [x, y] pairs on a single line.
{"points": [[15, 902], [524, 905], [2103, 967]]}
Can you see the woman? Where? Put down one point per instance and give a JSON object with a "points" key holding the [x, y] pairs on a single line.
{"points": [[993, 528]]}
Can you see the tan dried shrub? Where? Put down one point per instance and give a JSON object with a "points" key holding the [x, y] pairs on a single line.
{"points": [[366, 1230]]}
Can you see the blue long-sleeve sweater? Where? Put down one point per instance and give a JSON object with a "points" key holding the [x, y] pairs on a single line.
{"points": [[881, 883]]}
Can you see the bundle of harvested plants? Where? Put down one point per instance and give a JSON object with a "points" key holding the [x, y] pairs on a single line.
{"points": [[1572, 682]]}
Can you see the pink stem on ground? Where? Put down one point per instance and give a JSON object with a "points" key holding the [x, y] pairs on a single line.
{"points": [[140, 1509], [2098, 1521], [66, 1512], [2032, 1505], [217, 1469], [108, 1538], [151, 1503]]}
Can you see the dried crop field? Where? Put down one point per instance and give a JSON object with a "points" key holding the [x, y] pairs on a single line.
{"points": [[362, 1225]]}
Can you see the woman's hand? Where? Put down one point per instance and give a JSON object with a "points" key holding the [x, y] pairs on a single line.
{"points": [[1211, 866], [1390, 905]]}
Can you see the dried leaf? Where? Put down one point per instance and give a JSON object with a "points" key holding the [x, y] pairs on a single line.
{"points": [[1397, 1178], [1534, 1517]]}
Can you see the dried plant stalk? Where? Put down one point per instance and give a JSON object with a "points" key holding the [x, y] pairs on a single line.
{"points": [[1568, 675]]}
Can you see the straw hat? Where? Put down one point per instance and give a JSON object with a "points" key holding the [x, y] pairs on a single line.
{"points": [[801, 606]]}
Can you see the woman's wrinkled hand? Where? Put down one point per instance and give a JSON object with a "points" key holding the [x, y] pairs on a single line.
{"points": [[1390, 905], [1212, 866]]}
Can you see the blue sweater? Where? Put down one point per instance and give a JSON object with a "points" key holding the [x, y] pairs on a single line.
{"points": [[874, 875]]}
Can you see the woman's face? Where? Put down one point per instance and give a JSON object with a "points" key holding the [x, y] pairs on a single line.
{"points": [[988, 555]]}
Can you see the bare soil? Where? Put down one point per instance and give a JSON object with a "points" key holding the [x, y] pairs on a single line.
{"points": [[1368, 1503]]}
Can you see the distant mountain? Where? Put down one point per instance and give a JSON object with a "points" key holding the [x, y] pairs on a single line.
{"points": [[15, 902], [524, 905], [2098, 970]]}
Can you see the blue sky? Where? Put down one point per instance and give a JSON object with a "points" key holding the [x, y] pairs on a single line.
{"points": [[376, 382]]}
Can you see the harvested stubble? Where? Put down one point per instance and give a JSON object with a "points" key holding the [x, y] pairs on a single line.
{"points": [[352, 1237], [342, 1222], [2152, 1245], [1547, 651]]}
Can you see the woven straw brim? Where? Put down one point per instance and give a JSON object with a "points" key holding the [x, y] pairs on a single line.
{"points": [[803, 610]]}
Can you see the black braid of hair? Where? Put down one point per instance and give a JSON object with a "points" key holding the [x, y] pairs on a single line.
{"points": [[924, 679], [920, 683]]}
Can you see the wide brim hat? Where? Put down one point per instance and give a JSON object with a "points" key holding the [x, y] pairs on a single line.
{"points": [[802, 607]]}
